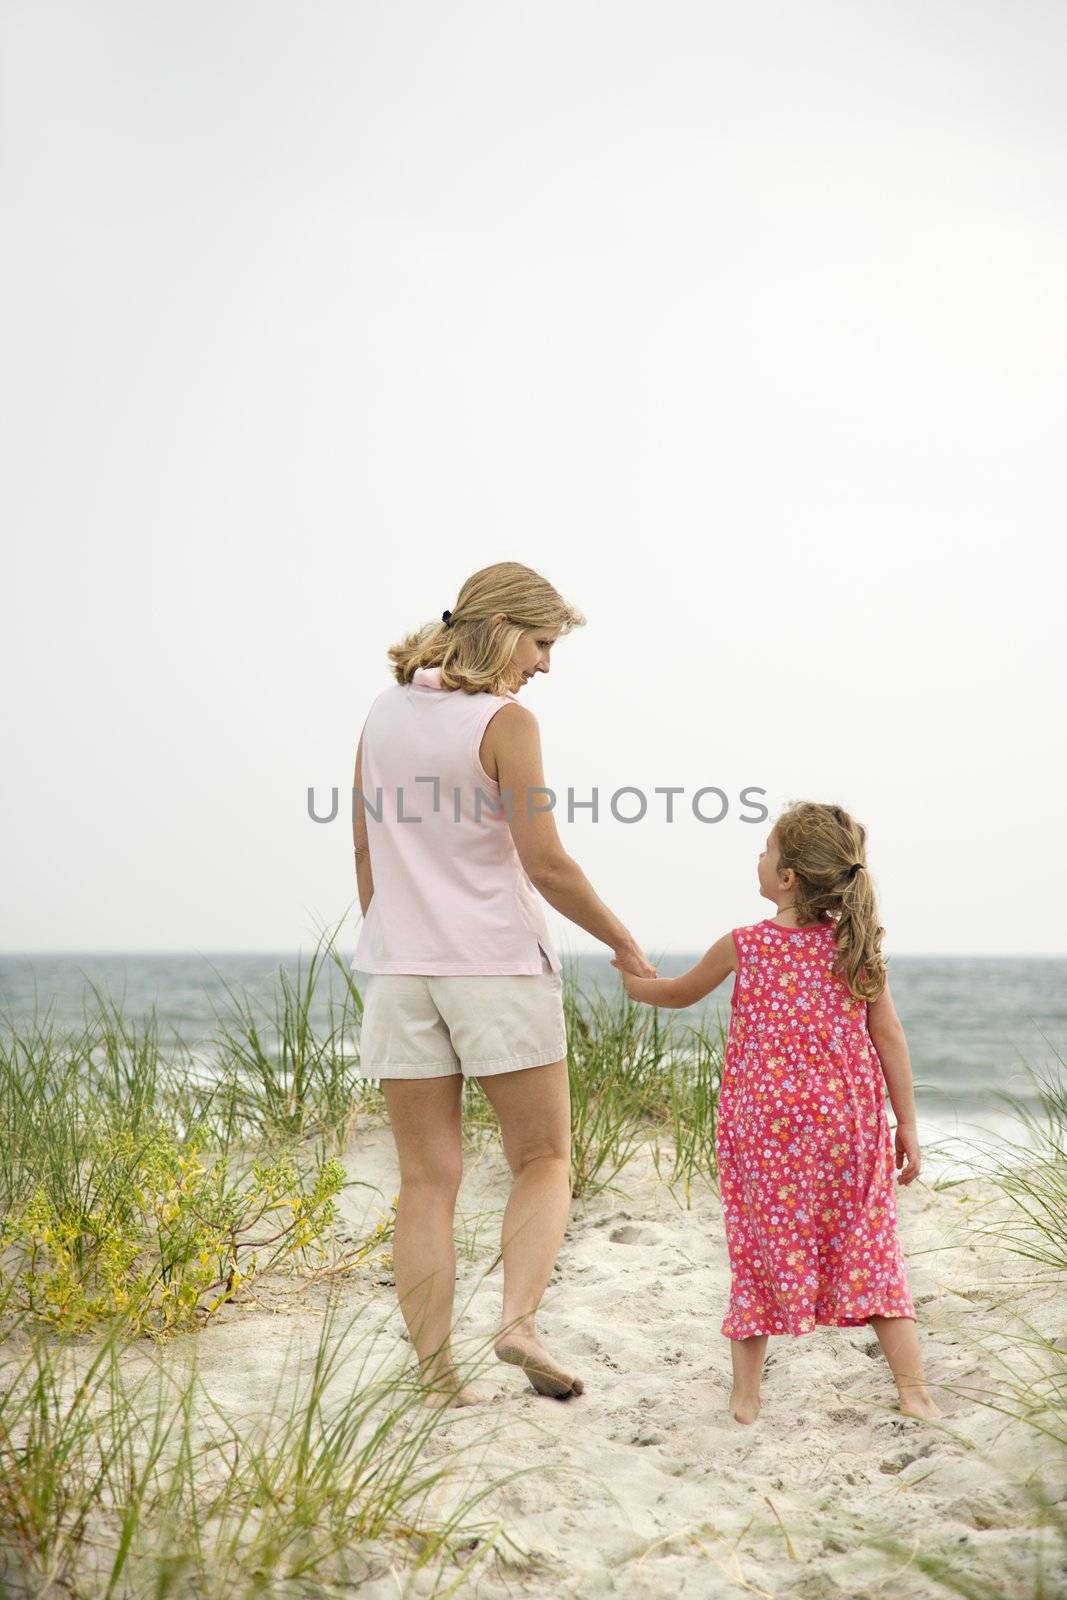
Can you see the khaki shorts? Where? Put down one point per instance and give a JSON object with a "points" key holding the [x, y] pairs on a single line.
{"points": [[426, 1026]]}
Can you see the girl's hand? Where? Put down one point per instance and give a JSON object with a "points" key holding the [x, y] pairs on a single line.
{"points": [[906, 1144], [629, 981]]}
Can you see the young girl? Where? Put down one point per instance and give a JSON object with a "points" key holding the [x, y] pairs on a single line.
{"points": [[802, 1143]]}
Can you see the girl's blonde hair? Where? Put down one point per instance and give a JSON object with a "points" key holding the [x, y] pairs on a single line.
{"points": [[822, 844], [474, 653]]}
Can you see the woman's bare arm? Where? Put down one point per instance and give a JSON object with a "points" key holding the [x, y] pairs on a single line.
{"points": [[364, 881], [513, 744]]}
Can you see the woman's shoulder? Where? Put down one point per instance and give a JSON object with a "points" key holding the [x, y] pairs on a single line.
{"points": [[510, 735], [512, 722]]}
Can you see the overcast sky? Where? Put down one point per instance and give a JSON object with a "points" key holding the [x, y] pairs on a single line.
{"points": [[743, 323]]}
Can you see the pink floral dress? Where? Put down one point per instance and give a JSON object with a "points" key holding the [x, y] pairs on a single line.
{"points": [[805, 1157]]}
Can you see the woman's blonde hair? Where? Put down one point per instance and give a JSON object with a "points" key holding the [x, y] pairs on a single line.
{"points": [[474, 653], [822, 844]]}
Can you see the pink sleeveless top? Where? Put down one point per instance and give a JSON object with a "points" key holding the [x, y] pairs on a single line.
{"points": [[450, 893]]}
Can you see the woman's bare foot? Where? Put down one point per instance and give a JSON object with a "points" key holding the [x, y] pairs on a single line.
{"points": [[547, 1376], [915, 1401], [446, 1390], [744, 1405]]}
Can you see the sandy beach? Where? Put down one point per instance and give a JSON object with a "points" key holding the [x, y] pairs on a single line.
{"points": [[645, 1486]]}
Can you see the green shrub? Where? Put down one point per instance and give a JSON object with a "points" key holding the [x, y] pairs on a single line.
{"points": [[154, 1236]]}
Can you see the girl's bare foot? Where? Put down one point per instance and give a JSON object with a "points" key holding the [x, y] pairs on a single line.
{"points": [[744, 1405], [915, 1401], [747, 1356], [525, 1350]]}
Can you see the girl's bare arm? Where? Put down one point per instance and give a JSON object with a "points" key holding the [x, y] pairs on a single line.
{"points": [[887, 1036], [713, 968]]}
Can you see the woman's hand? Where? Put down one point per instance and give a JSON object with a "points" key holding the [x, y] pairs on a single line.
{"points": [[906, 1144], [629, 958]]}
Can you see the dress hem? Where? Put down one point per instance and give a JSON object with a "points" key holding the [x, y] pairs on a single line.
{"points": [[820, 1322]]}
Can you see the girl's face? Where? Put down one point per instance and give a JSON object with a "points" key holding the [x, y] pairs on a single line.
{"points": [[771, 886]]}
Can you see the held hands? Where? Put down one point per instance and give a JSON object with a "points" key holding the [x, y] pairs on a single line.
{"points": [[631, 983], [906, 1145], [630, 962]]}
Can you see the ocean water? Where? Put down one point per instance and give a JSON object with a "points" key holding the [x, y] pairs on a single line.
{"points": [[975, 1025]]}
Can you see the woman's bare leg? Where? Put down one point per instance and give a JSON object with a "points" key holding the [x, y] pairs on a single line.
{"points": [[533, 1107], [425, 1115], [899, 1340], [747, 1356]]}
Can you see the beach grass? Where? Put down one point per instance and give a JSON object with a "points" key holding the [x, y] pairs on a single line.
{"points": [[1024, 1386], [150, 1191], [1020, 1375], [1031, 1171], [113, 1480], [143, 1199]]}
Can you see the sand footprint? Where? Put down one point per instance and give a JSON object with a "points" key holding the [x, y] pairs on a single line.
{"points": [[635, 1233]]}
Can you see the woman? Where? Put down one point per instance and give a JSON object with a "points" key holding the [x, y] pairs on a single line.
{"points": [[455, 843]]}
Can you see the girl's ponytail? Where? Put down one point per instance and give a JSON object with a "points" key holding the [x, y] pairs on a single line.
{"points": [[827, 850], [858, 937]]}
